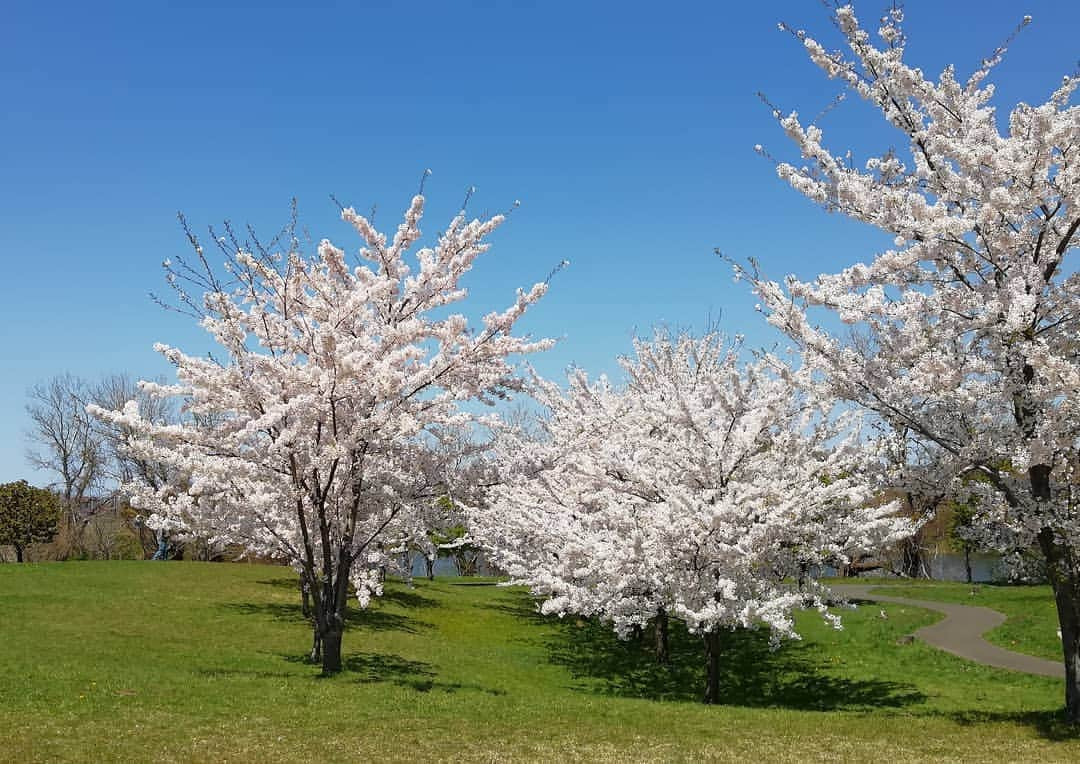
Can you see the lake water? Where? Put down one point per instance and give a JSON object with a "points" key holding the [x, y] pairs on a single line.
{"points": [[947, 566], [950, 567]]}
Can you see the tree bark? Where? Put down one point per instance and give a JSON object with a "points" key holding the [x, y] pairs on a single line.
{"points": [[1067, 598], [660, 625], [967, 564], [712, 667], [331, 655], [912, 556], [18, 552], [1065, 582], [315, 656]]}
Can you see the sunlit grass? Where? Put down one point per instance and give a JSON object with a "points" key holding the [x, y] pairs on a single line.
{"points": [[182, 661], [1032, 618]]}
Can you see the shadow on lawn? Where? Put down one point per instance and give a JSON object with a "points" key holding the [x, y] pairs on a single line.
{"points": [[292, 584], [522, 607], [1050, 725], [373, 619], [751, 674], [376, 668], [404, 597]]}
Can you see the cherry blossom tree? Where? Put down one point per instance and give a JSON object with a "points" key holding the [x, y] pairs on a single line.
{"points": [[965, 333], [306, 438], [700, 490]]}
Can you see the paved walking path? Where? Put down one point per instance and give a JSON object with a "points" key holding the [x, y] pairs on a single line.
{"points": [[960, 631]]}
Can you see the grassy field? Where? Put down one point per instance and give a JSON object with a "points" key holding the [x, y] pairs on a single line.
{"points": [[1032, 624], [189, 661]]}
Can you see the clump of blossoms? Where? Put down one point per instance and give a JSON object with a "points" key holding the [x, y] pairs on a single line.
{"points": [[703, 489], [310, 436], [965, 334]]}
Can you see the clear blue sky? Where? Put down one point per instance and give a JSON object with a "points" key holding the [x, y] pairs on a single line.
{"points": [[626, 130]]}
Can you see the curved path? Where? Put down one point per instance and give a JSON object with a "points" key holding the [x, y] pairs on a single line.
{"points": [[960, 631]]}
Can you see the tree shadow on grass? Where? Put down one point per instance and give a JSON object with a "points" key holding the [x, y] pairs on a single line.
{"points": [[522, 607], [406, 598], [372, 619], [290, 583], [751, 673], [1050, 725], [377, 668]]}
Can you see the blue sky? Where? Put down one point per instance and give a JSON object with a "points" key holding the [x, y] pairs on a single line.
{"points": [[626, 130]]}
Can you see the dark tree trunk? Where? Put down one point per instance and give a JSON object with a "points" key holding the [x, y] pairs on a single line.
{"points": [[330, 598], [430, 565], [18, 552], [967, 564], [712, 667], [331, 657], [315, 656], [1067, 598], [660, 625], [1066, 584]]}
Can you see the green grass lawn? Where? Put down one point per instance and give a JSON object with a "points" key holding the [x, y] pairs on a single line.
{"points": [[1032, 618], [189, 661]]}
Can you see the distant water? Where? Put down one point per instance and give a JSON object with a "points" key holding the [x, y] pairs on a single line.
{"points": [[948, 566], [444, 566]]}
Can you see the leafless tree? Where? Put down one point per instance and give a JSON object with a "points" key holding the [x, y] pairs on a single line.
{"points": [[65, 442]]}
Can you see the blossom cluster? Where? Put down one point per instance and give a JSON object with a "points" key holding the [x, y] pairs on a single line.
{"points": [[315, 437], [964, 335], [703, 487]]}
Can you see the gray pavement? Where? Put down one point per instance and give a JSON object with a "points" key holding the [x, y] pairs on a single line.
{"points": [[960, 631]]}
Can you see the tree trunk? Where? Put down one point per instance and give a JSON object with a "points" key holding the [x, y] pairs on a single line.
{"points": [[911, 555], [315, 656], [331, 655], [332, 625], [712, 667], [18, 552], [429, 563], [660, 624], [1066, 584], [967, 564], [1067, 598], [335, 598], [804, 573]]}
